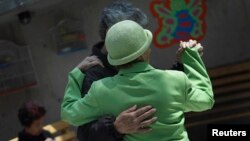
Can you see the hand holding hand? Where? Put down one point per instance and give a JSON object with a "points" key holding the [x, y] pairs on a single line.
{"points": [[189, 44]]}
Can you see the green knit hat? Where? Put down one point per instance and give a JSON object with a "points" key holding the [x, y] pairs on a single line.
{"points": [[126, 41]]}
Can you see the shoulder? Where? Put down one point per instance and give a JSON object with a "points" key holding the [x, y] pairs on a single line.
{"points": [[175, 72], [174, 75], [96, 70], [99, 72], [103, 83], [101, 88]]}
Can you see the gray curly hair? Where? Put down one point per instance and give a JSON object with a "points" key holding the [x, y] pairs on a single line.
{"points": [[117, 11]]}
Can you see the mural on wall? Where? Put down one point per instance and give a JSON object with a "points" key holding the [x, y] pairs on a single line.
{"points": [[178, 20]]}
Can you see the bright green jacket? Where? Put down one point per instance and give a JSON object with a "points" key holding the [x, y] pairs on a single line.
{"points": [[171, 92]]}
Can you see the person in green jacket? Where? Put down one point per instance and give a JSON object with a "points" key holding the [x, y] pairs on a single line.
{"points": [[172, 93]]}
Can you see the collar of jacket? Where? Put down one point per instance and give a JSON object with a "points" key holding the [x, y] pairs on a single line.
{"points": [[136, 68]]}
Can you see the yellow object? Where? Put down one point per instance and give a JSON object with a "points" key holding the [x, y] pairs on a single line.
{"points": [[61, 129]]}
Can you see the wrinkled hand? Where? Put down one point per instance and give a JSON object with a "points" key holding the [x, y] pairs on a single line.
{"points": [[135, 120], [89, 62], [189, 44]]}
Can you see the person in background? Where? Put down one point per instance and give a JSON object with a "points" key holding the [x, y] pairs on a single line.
{"points": [[31, 116]]}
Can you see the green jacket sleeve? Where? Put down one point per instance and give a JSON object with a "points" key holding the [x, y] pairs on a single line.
{"points": [[198, 91], [74, 109]]}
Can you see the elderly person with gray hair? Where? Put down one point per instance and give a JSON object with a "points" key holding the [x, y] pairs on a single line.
{"points": [[111, 128]]}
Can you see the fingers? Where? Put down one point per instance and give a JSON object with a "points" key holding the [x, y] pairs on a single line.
{"points": [[189, 44], [178, 53], [199, 45], [89, 62], [135, 120], [148, 122], [132, 109], [94, 60], [142, 110], [180, 50], [146, 115], [192, 43], [200, 50], [182, 44], [94, 63]]}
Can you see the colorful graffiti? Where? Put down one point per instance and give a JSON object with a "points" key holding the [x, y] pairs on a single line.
{"points": [[178, 20]]}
